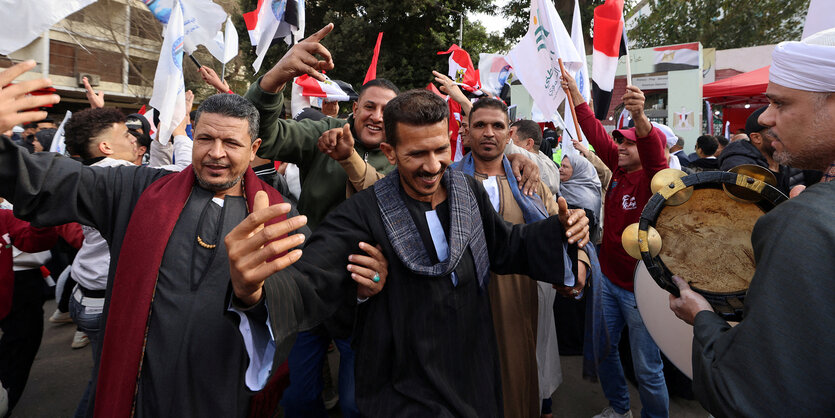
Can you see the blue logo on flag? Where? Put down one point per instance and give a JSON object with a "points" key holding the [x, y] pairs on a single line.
{"points": [[177, 53], [278, 7], [161, 13], [581, 81]]}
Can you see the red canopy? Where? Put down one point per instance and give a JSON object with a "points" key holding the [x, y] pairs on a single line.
{"points": [[752, 83]]}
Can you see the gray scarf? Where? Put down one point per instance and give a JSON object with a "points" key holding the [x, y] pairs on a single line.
{"points": [[466, 228]]}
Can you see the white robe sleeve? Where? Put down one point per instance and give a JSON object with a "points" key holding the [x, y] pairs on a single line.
{"points": [[169, 157], [260, 346]]}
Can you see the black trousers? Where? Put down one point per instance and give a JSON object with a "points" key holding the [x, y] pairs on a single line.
{"points": [[22, 333]]}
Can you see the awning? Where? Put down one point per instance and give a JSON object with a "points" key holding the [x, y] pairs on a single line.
{"points": [[752, 83]]}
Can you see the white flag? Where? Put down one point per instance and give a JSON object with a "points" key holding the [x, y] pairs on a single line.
{"points": [[169, 96], [24, 20], [202, 19], [534, 59], [58, 144], [581, 76], [226, 43], [494, 72], [821, 16], [274, 19]]}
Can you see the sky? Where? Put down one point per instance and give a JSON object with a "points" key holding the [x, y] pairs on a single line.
{"points": [[495, 23]]}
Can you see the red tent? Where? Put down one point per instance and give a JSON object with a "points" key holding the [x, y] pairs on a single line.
{"points": [[752, 83]]}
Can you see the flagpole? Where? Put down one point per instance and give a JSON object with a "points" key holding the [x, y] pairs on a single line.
{"points": [[628, 68], [570, 103]]}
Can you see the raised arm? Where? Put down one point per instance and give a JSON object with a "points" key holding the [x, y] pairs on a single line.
{"points": [[49, 189], [592, 128], [286, 140], [650, 140]]}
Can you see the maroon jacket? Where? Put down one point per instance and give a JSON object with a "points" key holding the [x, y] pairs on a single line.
{"points": [[627, 194], [26, 238]]}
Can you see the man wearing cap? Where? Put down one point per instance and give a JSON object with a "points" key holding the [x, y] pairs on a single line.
{"points": [[759, 150], [677, 150], [778, 361], [634, 157]]}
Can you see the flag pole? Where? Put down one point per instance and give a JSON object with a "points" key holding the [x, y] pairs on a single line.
{"points": [[571, 103], [628, 68]]}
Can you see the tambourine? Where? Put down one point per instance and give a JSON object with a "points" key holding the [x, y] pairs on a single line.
{"points": [[699, 226]]}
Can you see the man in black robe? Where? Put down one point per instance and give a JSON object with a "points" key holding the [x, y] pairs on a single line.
{"points": [[171, 347], [778, 361], [424, 345]]}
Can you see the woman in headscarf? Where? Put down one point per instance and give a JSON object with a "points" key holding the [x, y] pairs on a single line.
{"points": [[580, 186]]}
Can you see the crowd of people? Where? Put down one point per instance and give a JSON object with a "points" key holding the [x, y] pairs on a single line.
{"points": [[212, 271]]}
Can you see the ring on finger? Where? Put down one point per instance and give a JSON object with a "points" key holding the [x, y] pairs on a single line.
{"points": [[376, 278]]}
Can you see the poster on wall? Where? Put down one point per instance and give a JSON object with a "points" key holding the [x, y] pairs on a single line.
{"points": [[684, 120]]}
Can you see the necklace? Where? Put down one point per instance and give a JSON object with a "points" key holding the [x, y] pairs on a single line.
{"points": [[205, 244]]}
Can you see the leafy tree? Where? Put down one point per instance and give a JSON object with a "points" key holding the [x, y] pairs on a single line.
{"points": [[722, 24], [414, 31]]}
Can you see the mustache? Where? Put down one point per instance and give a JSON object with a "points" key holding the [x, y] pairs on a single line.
{"points": [[422, 173], [773, 134], [214, 162]]}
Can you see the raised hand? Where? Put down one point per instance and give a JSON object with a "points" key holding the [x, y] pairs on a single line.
{"points": [[369, 271], [14, 101], [449, 87], [338, 143], [96, 99], [251, 247], [633, 101], [211, 78], [299, 60], [570, 86], [575, 222]]}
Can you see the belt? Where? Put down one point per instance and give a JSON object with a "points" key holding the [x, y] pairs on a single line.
{"points": [[85, 299], [96, 294]]}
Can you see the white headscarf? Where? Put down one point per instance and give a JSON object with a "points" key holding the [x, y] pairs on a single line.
{"points": [[808, 65]]}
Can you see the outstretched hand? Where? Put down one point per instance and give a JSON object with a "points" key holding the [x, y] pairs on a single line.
{"points": [[252, 247], [689, 303], [299, 60], [96, 99], [14, 101], [338, 143], [575, 222], [365, 269]]}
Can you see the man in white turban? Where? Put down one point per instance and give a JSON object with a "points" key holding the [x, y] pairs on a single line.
{"points": [[779, 360]]}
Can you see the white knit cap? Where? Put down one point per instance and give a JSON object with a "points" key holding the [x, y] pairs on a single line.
{"points": [[807, 65]]}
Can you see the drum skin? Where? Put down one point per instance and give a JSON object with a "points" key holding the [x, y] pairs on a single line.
{"points": [[673, 336], [707, 241]]}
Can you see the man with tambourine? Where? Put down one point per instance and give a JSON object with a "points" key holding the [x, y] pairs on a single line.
{"points": [[778, 361]]}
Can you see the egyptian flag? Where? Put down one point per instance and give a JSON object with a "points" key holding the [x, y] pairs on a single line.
{"points": [[461, 69], [609, 45], [371, 74], [624, 119], [454, 123], [278, 19], [327, 90]]}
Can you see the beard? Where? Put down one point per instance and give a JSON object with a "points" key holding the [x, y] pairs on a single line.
{"points": [[216, 187]]}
